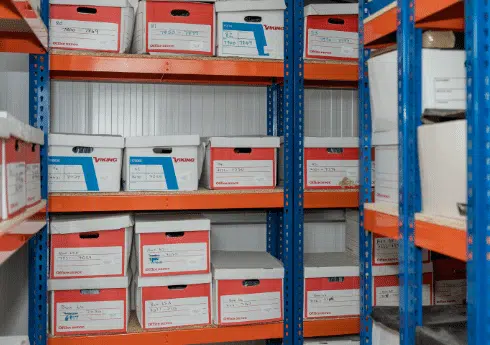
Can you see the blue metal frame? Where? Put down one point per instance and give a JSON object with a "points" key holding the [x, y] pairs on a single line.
{"points": [[409, 111], [478, 131], [365, 192]]}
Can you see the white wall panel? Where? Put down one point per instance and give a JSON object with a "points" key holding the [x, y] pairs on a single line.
{"points": [[14, 85]]}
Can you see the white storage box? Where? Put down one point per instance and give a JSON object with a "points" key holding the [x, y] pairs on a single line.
{"points": [[98, 25], [14, 136], [162, 163], [85, 246], [240, 162], [251, 29], [386, 168], [172, 244], [383, 335], [443, 169], [386, 286], [73, 166], [173, 301], [331, 285], [74, 302], [331, 31], [449, 281], [174, 27], [342, 340], [33, 166], [443, 85], [247, 288]]}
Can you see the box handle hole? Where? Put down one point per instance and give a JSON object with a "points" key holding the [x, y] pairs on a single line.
{"points": [[175, 234], [240, 150], [17, 145], [89, 235], [336, 21], [82, 149], [90, 292], [87, 10], [251, 282], [162, 150], [336, 279], [335, 150], [253, 19], [33, 148], [177, 287], [180, 13], [462, 208]]}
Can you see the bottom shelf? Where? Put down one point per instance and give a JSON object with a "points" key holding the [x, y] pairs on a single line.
{"points": [[211, 334]]}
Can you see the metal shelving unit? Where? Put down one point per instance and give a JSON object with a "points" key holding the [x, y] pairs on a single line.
{"points": [[463, 240]]}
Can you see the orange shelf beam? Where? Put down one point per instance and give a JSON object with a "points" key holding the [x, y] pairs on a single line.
{"points": [[441, 239], [380, 30], [199, 200], [381, 223], [440, 14], [327, 328], [214, 70]]}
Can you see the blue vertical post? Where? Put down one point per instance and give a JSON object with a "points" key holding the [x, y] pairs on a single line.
{"points": [[293, 103], [39, 102], [477, 41], [365, 191], [409, 112]]}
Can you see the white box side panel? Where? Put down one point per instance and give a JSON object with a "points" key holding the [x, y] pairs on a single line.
{"points": [[14, 85]]}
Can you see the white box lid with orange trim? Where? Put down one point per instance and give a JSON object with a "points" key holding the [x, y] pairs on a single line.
{"points": [[35, 136], [314, 142], [245, 265], [154, 223], [325, 265], [329, 9], [173, 280], [71, 224], [249, 5], [12, 127], [162, 140], [392, 270], [385, 138], [254, 142], [88, 283], [103, 141]]}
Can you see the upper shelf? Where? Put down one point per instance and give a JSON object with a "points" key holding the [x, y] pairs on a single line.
{"points": [[380, 27], [21, 28], [192, 69]]}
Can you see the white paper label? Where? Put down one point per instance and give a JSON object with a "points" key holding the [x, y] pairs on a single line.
{"points": [[78, 34], [183, 257], [450, 291], [88, 261], [179, 36], [90, 316], [450, 91], [385, 250], [388, 296], [33, 182], [251, 307], [332, 173], [333, 43], [249, 173], [177, 312], [326, 303], [16, 176]]}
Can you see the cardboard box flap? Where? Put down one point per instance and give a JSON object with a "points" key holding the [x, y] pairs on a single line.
{"points": [[163, 141], [254, 142], [100, 141], [324, 265], [391, 270], [105, 3], [88, 283], [385, 138], [330, 9], [245, 265], [12, 127], [35, 136], [343, 340], [249, 5], [189, 279], [313, 142], [159, 223], [72, 224]]}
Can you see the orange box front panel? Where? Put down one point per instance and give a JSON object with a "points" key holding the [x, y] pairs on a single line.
{"points": [[33, 174], [15, 158]]}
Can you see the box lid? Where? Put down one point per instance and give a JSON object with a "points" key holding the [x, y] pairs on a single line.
{"points": [[312, 142], [36, 136], [102, 141], [328, 9], [324, 265], [245, 265], [257, 142], [186, 279], [385, 138], [11, 126], [249, 5], [105, 3], [391, 270], [72, 224], [342, 340], [163, 140], [88, 283], [154, 223]]}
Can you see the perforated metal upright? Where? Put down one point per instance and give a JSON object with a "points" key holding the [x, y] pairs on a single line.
{"points": [[477, 42], [39, 116]]}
